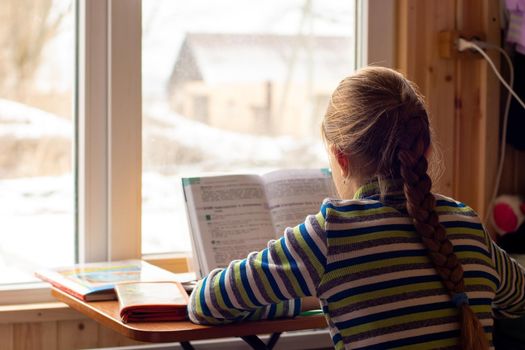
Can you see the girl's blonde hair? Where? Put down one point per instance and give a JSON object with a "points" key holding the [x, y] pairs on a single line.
{"points": [[378, 119]]}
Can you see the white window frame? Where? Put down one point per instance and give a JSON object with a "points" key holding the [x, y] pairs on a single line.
{"points": [[110, 125], [110, 101], [109, 139]]}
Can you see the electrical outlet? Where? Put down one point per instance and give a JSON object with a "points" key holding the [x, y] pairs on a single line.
{"points": [[447, 44]]}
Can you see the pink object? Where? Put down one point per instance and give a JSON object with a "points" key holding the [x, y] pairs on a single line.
{"points": [[505, 218]]}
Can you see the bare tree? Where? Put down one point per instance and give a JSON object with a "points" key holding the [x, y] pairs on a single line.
{"points": [[26, 26]]}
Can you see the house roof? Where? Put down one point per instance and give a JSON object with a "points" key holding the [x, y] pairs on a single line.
{"points": [[217, 58]]}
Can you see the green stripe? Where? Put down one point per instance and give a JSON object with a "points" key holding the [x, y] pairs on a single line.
{"points": [[370, 236], [399, 320], [219, 297], [320, 219], [364, 212], [453, 210], [292, 281], [465, 230], [240, 287], [338, 273], [388, 292], [262, 276]]}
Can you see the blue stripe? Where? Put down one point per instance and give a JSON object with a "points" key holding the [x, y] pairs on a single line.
{"points": [[455, 224], [337, 338], [355, 206], [370, 229], [375, 257], [414, 340], [481, 274], [273, 309], [266, 269], [383, 285], [416, 309], [312, 245], [479, 301], [202, 298], [222, 287], [323, 210], [445, 203], [246, 284], [295, 270], [471, 248], [297, 307]]}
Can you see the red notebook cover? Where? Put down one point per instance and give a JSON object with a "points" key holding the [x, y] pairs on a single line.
{"points": [[152, 301]]}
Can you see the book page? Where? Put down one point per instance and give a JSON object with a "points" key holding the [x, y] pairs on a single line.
{"points": [[294, 194], [229, 218]]}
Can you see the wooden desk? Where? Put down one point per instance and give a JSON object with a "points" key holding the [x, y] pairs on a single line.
{"points": [[107, 313]]}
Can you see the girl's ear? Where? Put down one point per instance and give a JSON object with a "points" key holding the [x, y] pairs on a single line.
{"points": [[342, 160]]}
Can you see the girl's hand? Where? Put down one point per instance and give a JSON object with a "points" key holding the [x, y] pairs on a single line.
{"points": [[310, 303]]}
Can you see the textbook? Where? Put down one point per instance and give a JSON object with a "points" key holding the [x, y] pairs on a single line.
{"points": [[152, 301], [232, 215], [96, 281]]}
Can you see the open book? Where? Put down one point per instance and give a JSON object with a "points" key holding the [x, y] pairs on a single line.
{"points": [[233, 215], [152, 301]]}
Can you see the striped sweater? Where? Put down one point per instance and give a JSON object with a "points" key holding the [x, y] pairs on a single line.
{"points": [[365, 262]]}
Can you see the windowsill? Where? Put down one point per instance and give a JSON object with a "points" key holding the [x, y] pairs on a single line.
{"points": [[22, 294]]}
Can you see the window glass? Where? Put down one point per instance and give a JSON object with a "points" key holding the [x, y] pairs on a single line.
{"points": [[233, 86], [36, 135]]}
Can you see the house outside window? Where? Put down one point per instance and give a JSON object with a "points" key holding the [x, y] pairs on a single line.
{"points": [[231, 87]]}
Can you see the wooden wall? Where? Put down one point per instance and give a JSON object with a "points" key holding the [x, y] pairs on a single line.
{"points": [[462, 93], [68, 334]]}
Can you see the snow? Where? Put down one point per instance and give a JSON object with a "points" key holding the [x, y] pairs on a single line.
{"points": [[22, 121]]}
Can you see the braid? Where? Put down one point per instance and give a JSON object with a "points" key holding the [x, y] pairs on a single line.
{"points": [[421, 208]]}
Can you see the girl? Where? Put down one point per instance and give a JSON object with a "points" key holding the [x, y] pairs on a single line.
{"points": [[394, 267]]}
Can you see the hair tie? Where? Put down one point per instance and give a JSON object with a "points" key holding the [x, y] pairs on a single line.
{"points": [[459, 299]]}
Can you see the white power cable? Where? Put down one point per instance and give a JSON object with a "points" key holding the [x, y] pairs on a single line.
{"points": [[465, 44], [478, 45]]}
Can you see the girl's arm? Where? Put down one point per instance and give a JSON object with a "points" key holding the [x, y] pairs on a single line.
{"points": [[267, 284], [510, 295]]}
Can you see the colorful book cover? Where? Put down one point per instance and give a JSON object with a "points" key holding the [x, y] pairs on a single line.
{"points": [[96, 281]]}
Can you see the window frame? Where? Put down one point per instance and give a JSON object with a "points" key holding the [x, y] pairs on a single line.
{"points": [[109, 103]]}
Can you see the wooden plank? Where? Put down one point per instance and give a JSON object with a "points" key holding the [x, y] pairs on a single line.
{"points": [[478, 109], [419, 23], [35, 336], [6, 336], [490, 105], [48, 335], [439, 89], [109, 338], [77, 334]]}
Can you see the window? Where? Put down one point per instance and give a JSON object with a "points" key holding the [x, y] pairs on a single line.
{"points": [[195, 108], [37, 208], [233, 86]]}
